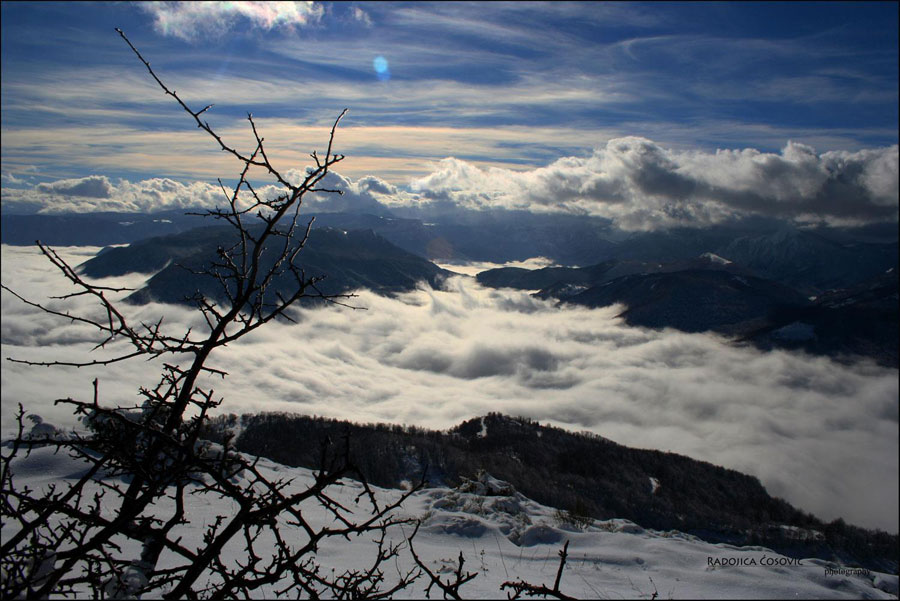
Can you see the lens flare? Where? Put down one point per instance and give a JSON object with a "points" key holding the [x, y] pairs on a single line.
{"points": [[382, 71]]}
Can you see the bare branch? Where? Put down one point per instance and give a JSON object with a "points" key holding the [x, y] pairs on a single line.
{"points": [[65, 545], [521, 587]]}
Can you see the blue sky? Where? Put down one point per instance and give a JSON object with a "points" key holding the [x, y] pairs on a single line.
{"points": [[494, 92]]}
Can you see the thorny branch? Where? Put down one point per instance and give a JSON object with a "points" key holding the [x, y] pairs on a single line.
{"points": [[521, 587], [451, 587], [68, 540], [102, 533]]}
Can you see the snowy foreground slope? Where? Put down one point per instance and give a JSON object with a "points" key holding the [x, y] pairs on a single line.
{"points": [[505, 536]]}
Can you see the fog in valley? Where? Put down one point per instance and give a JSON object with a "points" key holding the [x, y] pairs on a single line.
{"points": [[821, 434]]}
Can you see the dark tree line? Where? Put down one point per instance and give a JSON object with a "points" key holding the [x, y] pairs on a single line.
{"points": [[583, 474]]}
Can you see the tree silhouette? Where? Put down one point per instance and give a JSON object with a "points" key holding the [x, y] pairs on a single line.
{"points": [[65, 541], [148, 467]]}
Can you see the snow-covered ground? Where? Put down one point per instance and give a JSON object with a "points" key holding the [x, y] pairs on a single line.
{"points": [[505, 536]]}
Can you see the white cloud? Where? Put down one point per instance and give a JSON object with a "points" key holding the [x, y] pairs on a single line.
{"points": [[97, 193], [10, 178], [635, 182], [642, 185], [814, 431], [361, 16], [191, 20], [93, 186], [354, 196]]}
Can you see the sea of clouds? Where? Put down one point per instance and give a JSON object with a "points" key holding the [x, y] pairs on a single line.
{"points": [[821, 434]]}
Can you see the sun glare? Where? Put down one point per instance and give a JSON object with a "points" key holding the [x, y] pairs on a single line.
{"points": [[382, 70]]}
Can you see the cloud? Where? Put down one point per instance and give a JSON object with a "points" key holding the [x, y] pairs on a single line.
{"points": [[358, 196], [97, 193], [10, 178], [814, 431], [642, 185], [193, 20], [633, 181], [361, 16], [93, 186]]}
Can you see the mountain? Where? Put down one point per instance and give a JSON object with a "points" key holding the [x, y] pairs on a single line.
{"points": [[860, 320], [811, 260], [94, 229], [559, 282], [692, 300], [583, 474], [712, 293], [695, 295], [545, 277], [500, 237], [490, 236], [348, 259]]}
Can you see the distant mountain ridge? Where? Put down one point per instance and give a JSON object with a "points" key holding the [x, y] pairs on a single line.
{"points": [[691, 300], [348, 259], [811, 260], [667, 278], [92, 229], [710, 293]]}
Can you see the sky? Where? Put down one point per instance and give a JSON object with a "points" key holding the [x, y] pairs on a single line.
{"points": [[648, 114]]}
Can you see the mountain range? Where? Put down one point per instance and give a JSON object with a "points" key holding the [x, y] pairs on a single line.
{"points": [[823, 290], [711, 293], [348, 260]]}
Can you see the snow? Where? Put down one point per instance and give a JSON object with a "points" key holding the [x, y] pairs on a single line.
{"points": [[505, 536], [654, 485], [714, 258]]}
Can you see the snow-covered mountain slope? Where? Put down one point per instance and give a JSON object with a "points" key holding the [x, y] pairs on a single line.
{"points": [[505, 536]]}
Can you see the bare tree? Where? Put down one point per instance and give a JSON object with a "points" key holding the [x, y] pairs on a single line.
{"points": [[104, 533], [65, 541]]}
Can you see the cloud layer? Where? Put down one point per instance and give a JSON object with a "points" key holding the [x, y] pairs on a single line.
{"points": [[635, 182], [814, 431], [642, 185], [98, 193]]}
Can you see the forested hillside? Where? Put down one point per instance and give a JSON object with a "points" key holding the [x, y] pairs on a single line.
{"points": [[583, 474]]}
